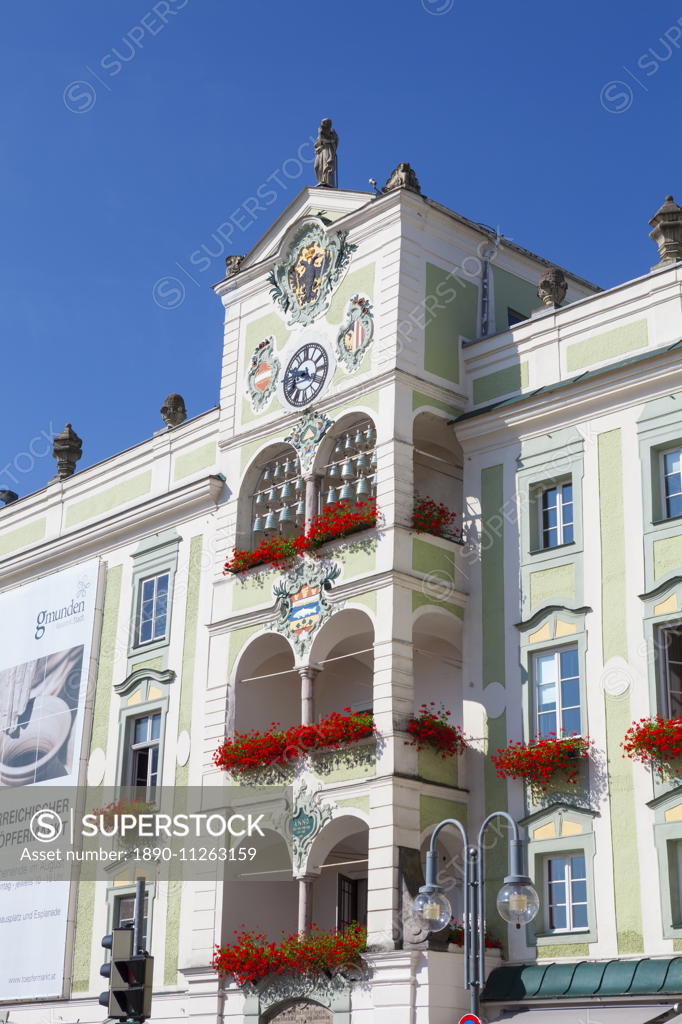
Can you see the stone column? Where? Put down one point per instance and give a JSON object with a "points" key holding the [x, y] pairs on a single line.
{"points": [[307, 674], [312, 490], [305, 903]]}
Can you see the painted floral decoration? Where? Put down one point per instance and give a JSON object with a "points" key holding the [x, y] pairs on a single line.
{"points": [[338, 520], [252, 956], [656, 742], [252, 750], [430, 728]]}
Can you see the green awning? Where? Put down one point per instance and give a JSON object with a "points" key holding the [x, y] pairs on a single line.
{"points": [[609, 979]]}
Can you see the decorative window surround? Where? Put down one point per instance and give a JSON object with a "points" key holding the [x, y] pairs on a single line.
{"points": [[155, 555], [558, 831], [556, 674], [116, 891], [556, 515], [659, 430], [667, 831], [670, 473], [143, 692], [662, 609]]}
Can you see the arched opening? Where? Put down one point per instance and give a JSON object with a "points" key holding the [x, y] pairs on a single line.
{"points": [[437, 463], [438, 662], [272, 500], [267, 688], [344, 652], [266, 881], [299, 1011], [346, 463], [339, 892]]}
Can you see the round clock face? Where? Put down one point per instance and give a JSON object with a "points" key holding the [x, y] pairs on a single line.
{"points": [[305, 375]]}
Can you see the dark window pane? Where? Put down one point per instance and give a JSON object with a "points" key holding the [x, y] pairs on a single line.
{"points": [[140, 767], [672, 461], [567, 493], [570, 693], [546, 725], [557, 917], [580, 916], [557, 868], [674, 504], [570, 721], [568, 534], [162, 585], [569, 662], [675, 704], [579, 892], [578, 866], [140, 730], [156, 726]]}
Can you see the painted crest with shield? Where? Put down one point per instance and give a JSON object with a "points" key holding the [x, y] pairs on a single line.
{"points": [[306, 435], [302, 600], [356, 334], [314, 263], [263, 374]]}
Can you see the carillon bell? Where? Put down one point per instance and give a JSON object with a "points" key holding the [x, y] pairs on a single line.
{"points": [[361, 462], [362, 488], [258, 524], [267, 474], [286, 491], [271, 496], [347, 471], [331, 496], [299, 511], [346, 493], [260, 498], [278, 473], [271, 521], [286, 515]]}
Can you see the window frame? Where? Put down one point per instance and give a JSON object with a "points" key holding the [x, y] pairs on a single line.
{"points": [[556, 650], [662, 662], [570, 928], [139, 642], [561, 526], [357, 898], [131, 747], [663, 497], [117, 892], [154, 557]]}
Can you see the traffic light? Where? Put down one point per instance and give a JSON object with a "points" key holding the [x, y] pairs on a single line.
{"points": [[130, 978]]}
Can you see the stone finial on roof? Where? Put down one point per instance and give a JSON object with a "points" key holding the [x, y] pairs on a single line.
{"points": [[552, 287], [8, 496], [173, 410], [666, 232], [67, 449], [233, 264], [403, 177]]}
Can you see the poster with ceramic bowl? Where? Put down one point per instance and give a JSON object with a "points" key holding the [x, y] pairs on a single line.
{"points": [[46, 633]]}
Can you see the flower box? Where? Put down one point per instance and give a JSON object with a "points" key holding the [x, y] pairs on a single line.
{"points": [[429, 729], [338, 520], [252, 956], [429, 516], [541, 761], [657, 743], [255, 750]]}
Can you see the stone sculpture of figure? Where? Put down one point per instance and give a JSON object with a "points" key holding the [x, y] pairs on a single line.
{"points": [[326, 145], [173, 410], [233, 264], [67, 449], [402, 177], [552, 287]]}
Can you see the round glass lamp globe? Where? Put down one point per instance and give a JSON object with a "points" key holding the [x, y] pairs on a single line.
{"points": [[517, 903], [433, 910]]}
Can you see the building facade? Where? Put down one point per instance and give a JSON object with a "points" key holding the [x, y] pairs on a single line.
{"points": [[378, 348]]}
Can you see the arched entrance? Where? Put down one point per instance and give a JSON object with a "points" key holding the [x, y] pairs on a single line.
{"points": [[303, 1011]]}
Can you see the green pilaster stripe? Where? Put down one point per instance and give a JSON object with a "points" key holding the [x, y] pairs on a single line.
{"points": [[492, 575], [493, 663], [626, 875], [189, 649], [105, 676]]}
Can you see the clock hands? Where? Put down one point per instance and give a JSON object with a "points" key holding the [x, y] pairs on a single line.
{"points": [[297, 375]]}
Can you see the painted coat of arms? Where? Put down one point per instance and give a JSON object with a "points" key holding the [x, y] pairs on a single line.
{"points": [[306, 436], [356, 333], [263, 373], [302, 600], [302, 282]]}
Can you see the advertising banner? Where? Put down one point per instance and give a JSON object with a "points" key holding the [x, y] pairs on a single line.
{"points": [[46, 630]]}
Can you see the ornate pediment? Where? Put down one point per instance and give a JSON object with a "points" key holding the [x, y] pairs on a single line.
{"points": [[313, 263]]}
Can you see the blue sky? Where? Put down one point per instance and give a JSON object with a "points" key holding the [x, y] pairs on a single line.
{"points": [[131, 131]]}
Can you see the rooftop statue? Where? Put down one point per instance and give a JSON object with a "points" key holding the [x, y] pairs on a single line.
{"points": [[326, 144]]}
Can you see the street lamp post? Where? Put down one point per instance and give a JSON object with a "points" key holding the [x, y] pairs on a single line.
{"points": [[517, 900]]}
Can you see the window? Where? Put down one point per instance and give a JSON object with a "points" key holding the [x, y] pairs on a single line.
{"points": [[566, 881], [671, 669], [143, 754], [124, 914], [153, 609], [352, 902], [557, 515], [514, 317], [557, 687], [671, 470]]}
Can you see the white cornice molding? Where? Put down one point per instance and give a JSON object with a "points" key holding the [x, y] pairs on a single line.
{"points": [[160, 512]]}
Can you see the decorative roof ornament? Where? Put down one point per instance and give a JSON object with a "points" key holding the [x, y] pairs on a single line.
{"points": [[306, 435], [552, 287], [403, 177], [67, 449], [8, 496], [326, 163], [666, 232], [233, 264], [173, 410]]}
